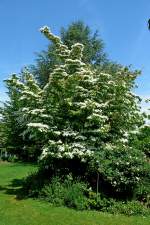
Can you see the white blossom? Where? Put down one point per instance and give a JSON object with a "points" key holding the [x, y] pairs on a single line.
{"points": [[38, 125]]}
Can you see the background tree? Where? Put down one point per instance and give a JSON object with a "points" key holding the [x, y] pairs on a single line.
{"points": [[13, 141], [24, 95], [2, 139]]}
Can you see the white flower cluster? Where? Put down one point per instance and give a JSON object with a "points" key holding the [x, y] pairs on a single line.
{"points": [[66, 150], [41, 127]]}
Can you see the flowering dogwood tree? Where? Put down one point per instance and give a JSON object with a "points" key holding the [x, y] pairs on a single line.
{"points": [[82, 113], [88, 108]]}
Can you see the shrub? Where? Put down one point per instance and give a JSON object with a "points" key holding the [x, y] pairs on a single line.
{"points": [[132, 208], [121, 169], [98, 201], [53, 192], [68, 193], [12, 158], [75, 195], [64, 191], [143, 193]]}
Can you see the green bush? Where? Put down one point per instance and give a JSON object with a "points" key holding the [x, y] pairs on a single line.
{"points": [[132, 208], [121, 169], [53, 192], [12, 158], [143, 193], [98, 202], [75, 195], [67, 192]]}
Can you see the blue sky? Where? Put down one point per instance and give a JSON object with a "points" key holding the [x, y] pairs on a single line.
{"points": [[121, 24]]}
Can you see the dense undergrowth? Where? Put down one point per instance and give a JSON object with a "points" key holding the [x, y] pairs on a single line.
{"points": [[83, 193]]}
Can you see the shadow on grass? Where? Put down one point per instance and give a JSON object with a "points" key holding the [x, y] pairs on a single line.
{"points": [[14, 188], [16, 183]]}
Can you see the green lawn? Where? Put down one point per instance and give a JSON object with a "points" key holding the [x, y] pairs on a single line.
{"points": [[33, 212]]}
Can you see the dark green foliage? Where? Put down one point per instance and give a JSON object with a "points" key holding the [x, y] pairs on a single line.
{"points": [[33, 184], [144, 140], [67, 192], [58, 167], [131, 208], [12, 141], [53, 192], [78, 32], [121, 170], [2, 133], [97, 201], [143, 190]]}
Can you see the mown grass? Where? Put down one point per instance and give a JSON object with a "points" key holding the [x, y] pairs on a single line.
{"points": [[32, 212]]}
